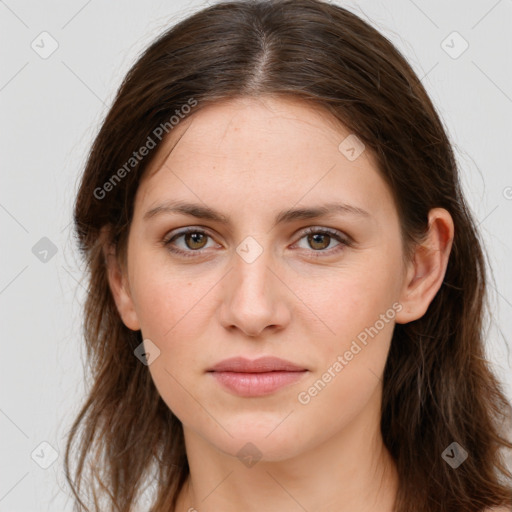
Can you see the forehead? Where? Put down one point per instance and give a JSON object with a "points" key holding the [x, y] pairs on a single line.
{"points": [[278, 149], [218, 128]]}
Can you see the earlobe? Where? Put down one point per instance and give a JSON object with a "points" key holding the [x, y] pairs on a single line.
{"points": [[118, 283], [426, 271]]}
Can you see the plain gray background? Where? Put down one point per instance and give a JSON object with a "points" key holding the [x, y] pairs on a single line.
{"points": [[51, 109]]}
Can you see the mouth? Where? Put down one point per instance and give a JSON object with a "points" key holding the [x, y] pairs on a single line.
{"points": [[259, 377]]}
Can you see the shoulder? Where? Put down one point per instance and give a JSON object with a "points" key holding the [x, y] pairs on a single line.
{"points": [[499, 509]]}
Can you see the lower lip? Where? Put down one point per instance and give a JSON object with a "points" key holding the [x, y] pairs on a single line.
{"points": [[257, 384]]}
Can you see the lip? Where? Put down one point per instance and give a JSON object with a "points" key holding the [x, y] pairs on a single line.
{"points": [[258, 377], [260, 365]]}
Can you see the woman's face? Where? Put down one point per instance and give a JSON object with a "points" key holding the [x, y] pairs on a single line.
{"points": [[249, 281]]}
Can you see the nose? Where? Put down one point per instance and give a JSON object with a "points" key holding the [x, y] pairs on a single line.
{"points": [[254, 297]]}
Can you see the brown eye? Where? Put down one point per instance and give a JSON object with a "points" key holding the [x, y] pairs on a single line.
{"points": [[319, 241], [188, 242], [195, 240]]}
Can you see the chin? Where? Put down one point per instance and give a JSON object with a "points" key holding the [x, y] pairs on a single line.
{"points": [[263, 439]]}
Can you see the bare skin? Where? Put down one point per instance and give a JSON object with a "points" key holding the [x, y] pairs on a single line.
{"points": [[303, 299]]}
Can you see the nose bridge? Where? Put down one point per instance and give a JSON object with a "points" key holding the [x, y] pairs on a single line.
{"points": [[252, 299], [251, 273]]}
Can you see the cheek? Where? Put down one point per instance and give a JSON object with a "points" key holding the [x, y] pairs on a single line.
{"points": [[168, 300], [357, 308], [351, 300], [349, 373], [172, 308]]}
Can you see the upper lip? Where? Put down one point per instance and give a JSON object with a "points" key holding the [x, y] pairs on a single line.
{"points": [[260, 365]]}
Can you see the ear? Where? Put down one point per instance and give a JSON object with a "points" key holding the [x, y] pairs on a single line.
{"points": [[426, 271], [118, 281]]}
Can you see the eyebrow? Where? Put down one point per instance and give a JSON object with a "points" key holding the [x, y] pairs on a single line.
{"points": [[204, 212]]}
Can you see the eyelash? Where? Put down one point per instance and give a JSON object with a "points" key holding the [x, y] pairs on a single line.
{"points": [[343, 241]]}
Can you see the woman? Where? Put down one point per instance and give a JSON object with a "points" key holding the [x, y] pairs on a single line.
{"points": [[287, 288]]}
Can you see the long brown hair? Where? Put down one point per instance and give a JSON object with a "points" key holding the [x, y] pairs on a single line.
{"points": [[437, 387]]}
